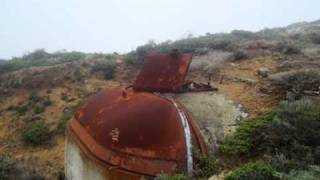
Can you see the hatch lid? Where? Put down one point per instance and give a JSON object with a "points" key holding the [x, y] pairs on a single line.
{"points": [[163, 72]]}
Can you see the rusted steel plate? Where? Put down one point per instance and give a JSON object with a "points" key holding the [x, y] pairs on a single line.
{"points": [[141, 124], [135, 131], [163, 73], [132, 130], [116, 163]]}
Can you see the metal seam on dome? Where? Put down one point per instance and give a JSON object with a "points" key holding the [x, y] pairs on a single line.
{"points": [[187, 134]]}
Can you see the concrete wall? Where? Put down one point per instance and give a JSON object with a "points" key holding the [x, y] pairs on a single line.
{"points": [[78, 166]]}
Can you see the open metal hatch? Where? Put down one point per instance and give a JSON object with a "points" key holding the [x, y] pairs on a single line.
{"points": [[163, 72]]}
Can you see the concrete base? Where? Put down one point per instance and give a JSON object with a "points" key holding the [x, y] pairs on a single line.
{"points": [[79, 167]]}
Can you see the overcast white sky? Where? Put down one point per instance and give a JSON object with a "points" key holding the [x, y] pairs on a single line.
{"points": [[121, 25]]}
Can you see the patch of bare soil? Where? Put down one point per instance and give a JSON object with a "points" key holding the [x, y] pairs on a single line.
{"points": [[240, 82]]}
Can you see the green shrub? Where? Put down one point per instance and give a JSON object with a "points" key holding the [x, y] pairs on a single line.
{"points": [[39, 58], [244, 34], [313, 173], [133, 59], [239, 55], [71, 56], [7, 167], [282, 164], [297, 82], [64, 120], [47, 102], [22, 109], [241, 141], [36, 58], [38, 54], [106, 67], [36, 134], [64, 97], [205, 167], [38, 103], [34, 97], [295, 133], [258, 170], [288, 48], [220, 41], [302, 110], [174, 177], [39, 109], [314, 37], [271, 34]]}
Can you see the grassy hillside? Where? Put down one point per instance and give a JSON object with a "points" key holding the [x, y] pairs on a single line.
{"points": [[273, 74]]}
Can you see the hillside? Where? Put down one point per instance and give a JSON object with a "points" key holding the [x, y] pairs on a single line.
{"points": [[272, 75]]}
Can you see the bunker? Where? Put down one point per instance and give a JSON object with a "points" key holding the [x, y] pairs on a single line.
{"points": [[144, 130]]}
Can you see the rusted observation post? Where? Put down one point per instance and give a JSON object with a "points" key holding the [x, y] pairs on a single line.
{"points": [[135, 132]]}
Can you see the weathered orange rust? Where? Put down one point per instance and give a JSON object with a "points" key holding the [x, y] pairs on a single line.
{"points": [[163, 73], [138, 134]]}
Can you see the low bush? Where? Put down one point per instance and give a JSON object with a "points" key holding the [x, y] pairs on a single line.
{"points": [[314, 37], [258, 170], [70, 56], [133, 59], [295, 133], [244, 34], [39, 57], [173, 177], [7, 167], [11, 169], [211, 62], [34, 98], [239, 54], [64, 120], [297, 82], [36, 134], [36, 103], [105, 67], [22, 109], [204, 166], [47, 102], [241, 142], [39, 109], [312, 173], [197, 45], [281, 163], [288, 48]]}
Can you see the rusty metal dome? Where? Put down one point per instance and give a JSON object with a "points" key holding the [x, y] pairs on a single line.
{"points": [[139, 132], [135, 131]]}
